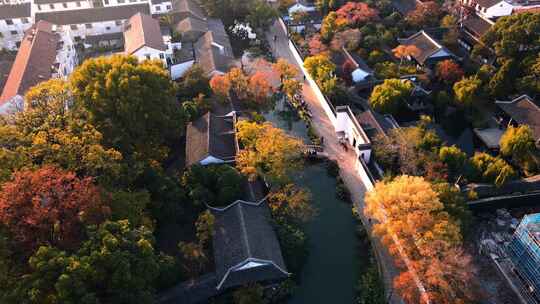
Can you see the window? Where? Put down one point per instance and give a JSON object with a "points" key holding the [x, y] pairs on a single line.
{"points": [[121, 1], [78, 3], [168, 7], [25, 20], [64, 5], [132, 0], [158, 8], [9, 22], [161, 55], [118, 23], [51, 6], [108, 28], [77, 38], [88, 25], [106, 2], [18, 44], [73, 27], [147, 56], [14, 33], [38, 7], [1, 35]]}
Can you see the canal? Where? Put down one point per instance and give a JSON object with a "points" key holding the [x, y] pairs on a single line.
{"points": [[336, 254]]}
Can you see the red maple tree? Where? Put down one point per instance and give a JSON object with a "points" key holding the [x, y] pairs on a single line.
{"points": [[449, 71], [357, 13], [49, 206]]}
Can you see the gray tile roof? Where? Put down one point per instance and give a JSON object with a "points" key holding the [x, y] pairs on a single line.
{"points": [[210, 135], [192, 28], [246, 248], [213, 51], [487, 3], [476, 25], [524, 110], [425, 44], [186, 8], [11, 11], [91, 15]]}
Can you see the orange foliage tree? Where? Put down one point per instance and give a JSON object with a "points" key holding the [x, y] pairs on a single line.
{"points": [[316, 46], [49, 206], [357, 13], [449, 71], [220, 85], [408, 209], [260, 87], [425, 14], [403, 51], [239, 82]]}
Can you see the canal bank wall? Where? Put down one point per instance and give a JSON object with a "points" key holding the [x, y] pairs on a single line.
{"points": [[364, 175]]}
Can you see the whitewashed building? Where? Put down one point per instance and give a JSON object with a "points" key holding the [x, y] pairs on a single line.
{"points": [[45, 52], [15, 19], [143, 39], [94, 22]]}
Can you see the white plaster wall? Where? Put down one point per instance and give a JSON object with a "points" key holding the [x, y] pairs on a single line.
{"points": [[64, 6], [211, 160], [178, 70], [8, 40], [145, 53], [161, 8], [98, 28], [500, 9], [300, 8]]}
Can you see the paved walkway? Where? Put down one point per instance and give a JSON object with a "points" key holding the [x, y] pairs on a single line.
{"points": [[347, 160]]}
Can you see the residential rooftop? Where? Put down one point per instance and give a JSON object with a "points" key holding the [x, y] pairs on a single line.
{"points": [[12, 11], [91, 15]]}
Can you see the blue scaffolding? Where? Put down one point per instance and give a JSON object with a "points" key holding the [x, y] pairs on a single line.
{"points": [[524, 252]]}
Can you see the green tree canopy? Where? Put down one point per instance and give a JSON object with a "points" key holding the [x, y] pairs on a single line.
{"points": [[213, 185], [261, 14], [131, 103], [193, 83], [390, 96], [118, 264], [514, 34], [453, 157]]}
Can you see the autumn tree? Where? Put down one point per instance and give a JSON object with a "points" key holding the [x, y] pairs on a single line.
{"points": [[349, 39], [448, 71], [408, 211], [331, 24], [389, 97], [267, 151], [490, 169], [425, 14], [357, 13], [467, 90], [260, 88], [316, 46], [131, 103], [287, 74], [49, 206], [292, 202], [46, 133], [324, 6], [221, 86], [239, 83], [519, 144], [403, 51], [322, 70], [454, 158]]}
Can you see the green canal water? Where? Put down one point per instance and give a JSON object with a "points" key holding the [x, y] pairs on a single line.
{"points": [[336, 255]]}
